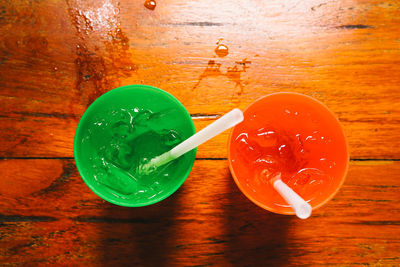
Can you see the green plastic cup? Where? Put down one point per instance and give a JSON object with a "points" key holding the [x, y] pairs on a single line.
{"points": [[122, 130]]}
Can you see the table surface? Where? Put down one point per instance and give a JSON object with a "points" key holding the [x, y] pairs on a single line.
{"points": [[56, 57]]}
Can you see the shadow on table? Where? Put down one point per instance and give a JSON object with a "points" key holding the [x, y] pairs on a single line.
{"points": [[138, 236], [255, 237], [250, 236]]}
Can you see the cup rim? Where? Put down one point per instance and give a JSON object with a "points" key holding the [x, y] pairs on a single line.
{"points": [[271, 209], [95, 188]]}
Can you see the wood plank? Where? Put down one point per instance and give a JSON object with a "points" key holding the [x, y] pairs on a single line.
{"points": [[208, 221], [53, 66], [362, 58]]}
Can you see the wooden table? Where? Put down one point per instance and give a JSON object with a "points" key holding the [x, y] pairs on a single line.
{"points": [[57, 56]]}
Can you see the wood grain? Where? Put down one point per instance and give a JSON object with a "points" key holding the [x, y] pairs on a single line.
{"points": [[349, 61], [57, 57], [208, 221]]}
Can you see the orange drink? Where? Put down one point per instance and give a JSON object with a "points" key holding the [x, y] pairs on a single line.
{"points": [[296, 136]]}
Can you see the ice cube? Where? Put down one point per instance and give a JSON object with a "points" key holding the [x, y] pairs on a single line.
{"points": [[298, 144], [121, 129], [265, 138], [125, 156], [264, 175], [120, 181], [143, 117], [314, 141], [250, 151], [310, 182], [170, 138]]}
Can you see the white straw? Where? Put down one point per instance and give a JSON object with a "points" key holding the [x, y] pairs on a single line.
{"points": [[299, 205], [227, 121]]}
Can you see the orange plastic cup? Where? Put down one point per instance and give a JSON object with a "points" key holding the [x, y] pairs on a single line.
{"points": [[294, 135]]}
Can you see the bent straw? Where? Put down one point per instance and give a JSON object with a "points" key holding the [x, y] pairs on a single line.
{"points": [[227, 121], [298, 204]]}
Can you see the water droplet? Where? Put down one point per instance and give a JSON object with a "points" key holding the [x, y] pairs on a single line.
{"points": [[150, 4], [55, 69], [221, 50]]}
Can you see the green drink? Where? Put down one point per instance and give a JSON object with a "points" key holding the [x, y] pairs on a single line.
{"points": [[121, 132]]}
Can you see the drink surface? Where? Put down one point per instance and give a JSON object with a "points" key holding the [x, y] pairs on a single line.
{"points": [[123, 130], [296, 136], [130, 138]]}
